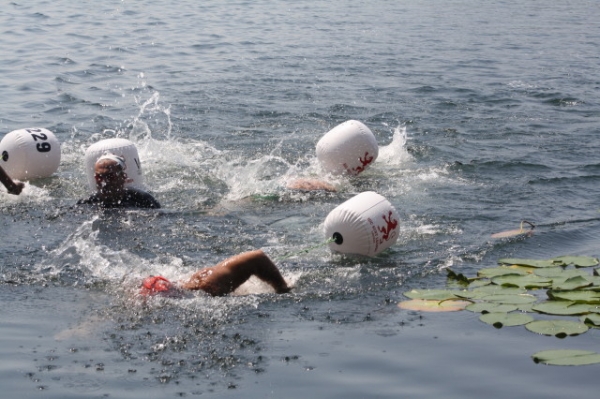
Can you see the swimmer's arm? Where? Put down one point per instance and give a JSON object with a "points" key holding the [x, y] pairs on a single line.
{"points": [[305, 184], [11, 186], [228, 275]]}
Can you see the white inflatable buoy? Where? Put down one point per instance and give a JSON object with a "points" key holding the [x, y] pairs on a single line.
{"points": [[28, 154], [120, 147], [347, 148], [365, 224]]}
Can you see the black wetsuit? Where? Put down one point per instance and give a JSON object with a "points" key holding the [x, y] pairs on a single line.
{"points": [[131, 198]]}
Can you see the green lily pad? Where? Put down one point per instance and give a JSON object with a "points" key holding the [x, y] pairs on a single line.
{"points": [[480, 282], [561, 308], [525, 307], [491, 307], [566, 357], [428, 305], [531, 262], [579, 296], [559, 272], [594, 308], [592, 319], [578, 261], [572, 283], [557, 328], [458, 277], [595, 280], [493, 289], [500, 320], [528, 281], [492, 272], [438, 295], [520, 299]]}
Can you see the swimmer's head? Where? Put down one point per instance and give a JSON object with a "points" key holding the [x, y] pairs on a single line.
{"points": [[109, 172]]}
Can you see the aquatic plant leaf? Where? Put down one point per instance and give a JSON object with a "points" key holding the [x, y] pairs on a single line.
{"points": [[575, 296], [559, 272], [427, 305], [529, 281], [491, 307], [592, 319], [578, 261], [459, 277], [595, 280], [566, 357], [561, 308], [439, 295], [557, 328], [500, 320], [525, 307], [572, 283], [492, 272], [480, 282], [531, 262], [521, 299], [594, 308], [493, 289]]}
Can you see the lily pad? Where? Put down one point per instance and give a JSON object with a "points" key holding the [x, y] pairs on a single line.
{"points": [[566, 357], [427, 305], [520, 299], [500, 320], [592, 319], [572, 283], [561, 308], [532, 262], [458, 277], [492, 272], [491, 307], [578, 261], [579, 296], [559, 272], [528, 281], [439, 295], [557, 328], [494, 289]]}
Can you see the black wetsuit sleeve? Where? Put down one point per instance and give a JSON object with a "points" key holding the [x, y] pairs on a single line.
{"points": [[89, 201], [140, 199]]}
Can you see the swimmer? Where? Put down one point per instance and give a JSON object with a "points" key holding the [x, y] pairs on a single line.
{"points": [[12, 186], [222, 279], [109, 172], [306, 184]]}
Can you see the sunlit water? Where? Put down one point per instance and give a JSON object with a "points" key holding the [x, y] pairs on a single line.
{"points": [[486, 114]]}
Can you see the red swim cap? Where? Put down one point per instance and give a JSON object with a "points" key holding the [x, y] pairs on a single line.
{"points": [[155, 284]]}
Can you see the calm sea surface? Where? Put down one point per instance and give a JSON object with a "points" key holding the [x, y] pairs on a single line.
{"points": [[486, 113]]}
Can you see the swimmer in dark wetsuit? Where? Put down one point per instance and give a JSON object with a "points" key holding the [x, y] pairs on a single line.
{"points": [[109, 172], [222, 279]]}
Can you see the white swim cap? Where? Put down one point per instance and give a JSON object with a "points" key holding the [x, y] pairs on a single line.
{"points": [[112, 157]]}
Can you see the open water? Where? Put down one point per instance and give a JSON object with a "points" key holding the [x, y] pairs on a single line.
{"points": [[486, 113]]}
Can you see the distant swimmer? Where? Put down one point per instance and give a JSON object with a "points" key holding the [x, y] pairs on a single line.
{"points": [[307, 184], [13, 187], [110, 176], [222, 279]]}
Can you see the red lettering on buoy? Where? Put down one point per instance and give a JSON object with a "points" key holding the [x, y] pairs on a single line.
{"points": [[391, 224], [365, 161]]}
